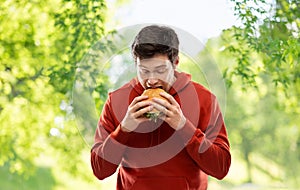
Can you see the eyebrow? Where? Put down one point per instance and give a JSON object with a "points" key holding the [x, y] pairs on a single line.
{"points": [[157, 67], [161, 66]]}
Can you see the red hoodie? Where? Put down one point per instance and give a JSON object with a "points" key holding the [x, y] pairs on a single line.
{"points": [[155, 156]]}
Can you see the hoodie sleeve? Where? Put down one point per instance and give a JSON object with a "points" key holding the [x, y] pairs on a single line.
{"points": [[209, 146], [108, 149]]}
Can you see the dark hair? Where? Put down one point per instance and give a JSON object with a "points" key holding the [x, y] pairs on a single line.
{"points": [[154, 39]]}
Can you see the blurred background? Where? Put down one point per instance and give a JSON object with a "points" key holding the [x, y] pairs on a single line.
{"points": [[52, 92]]}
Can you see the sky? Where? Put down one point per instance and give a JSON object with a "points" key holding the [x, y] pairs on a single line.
{"points": [[202, 18]]}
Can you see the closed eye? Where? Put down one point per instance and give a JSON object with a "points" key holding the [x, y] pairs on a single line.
{"points": [[144, 71], [161, 71]]}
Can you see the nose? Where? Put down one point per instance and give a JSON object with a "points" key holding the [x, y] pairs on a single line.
{"points": [[151, 82]]}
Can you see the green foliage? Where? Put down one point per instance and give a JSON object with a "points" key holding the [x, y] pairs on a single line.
{"points": [[260, 62], [272, 30], [42, 180], [262, 121], [25, 53], [44, 50], [81, 24], [41, 44]]}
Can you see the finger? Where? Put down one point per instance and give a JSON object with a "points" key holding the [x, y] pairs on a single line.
{"points": [[140, 105], [161, 108], [166, 112], [142, 111], [138, 99], [170, 98], [161, 102]]}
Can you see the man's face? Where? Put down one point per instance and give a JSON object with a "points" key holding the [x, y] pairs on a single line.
{"points": [[156, 72]]}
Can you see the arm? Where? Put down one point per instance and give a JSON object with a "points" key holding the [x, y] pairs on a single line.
{"points": [[111, 137], [209, 148], [207, 143], [108, 149]]}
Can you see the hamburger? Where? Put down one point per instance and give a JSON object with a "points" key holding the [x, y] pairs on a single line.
{"points": [[153, 93]]}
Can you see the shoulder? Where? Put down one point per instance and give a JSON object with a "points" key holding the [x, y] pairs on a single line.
{"points": [[202, 91], [122, 90], [123, 95]]}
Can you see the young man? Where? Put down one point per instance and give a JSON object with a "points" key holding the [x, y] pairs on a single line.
{"points": [[189, 139]]}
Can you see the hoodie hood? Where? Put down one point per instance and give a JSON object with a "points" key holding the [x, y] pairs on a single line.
{"points": [[182, 80]]}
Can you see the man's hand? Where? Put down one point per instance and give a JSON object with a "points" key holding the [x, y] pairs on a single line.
{"points": [[135, 112], [172, 113]]}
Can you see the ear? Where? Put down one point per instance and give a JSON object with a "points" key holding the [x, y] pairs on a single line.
{"points": [[176, 61]]}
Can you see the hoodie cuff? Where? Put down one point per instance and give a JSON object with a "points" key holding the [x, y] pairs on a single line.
{"points": [[120, 136], [187, 132]]}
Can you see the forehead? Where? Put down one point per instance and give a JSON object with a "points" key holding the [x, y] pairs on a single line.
{"points": [[153, 62]]}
